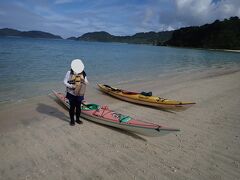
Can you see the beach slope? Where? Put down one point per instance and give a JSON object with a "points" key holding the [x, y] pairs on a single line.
{"points": [[36, 141]]}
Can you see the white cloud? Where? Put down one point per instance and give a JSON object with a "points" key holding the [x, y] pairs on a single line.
{"points": [[149, 15], [229, 8], [192, 12], [62, 1]]}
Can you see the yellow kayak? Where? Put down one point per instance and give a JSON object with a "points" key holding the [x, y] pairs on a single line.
{"points": [[145, 98]]}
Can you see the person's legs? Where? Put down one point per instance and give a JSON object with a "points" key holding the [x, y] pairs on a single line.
{"points": [[78, 112], [71, 112], [78, 109], [72, 103]]}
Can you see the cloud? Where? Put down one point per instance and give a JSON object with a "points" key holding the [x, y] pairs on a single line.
{"points": [[191, 12], [62, 1], [195, 13], [118, 17], [14, 18]]}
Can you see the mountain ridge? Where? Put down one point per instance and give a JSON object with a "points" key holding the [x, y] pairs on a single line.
{"points": [[217, 35], [31, 34]]}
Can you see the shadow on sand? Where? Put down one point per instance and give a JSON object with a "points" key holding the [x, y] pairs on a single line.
{"points": [[52, 111], [133, 135]]}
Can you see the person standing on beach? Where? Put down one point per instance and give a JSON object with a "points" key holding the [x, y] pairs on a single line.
{"points": [[75, 82]]}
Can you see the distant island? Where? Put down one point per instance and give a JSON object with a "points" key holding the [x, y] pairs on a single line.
{"points": [[218, 35], [72, 38], [31, 34]]}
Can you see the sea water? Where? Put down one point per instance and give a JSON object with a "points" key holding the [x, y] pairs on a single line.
{"points": [[31, 67]]}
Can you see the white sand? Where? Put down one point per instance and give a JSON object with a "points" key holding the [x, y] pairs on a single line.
{"points": [[36, 141]]}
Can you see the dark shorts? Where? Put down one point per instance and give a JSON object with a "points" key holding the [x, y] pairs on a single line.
{"points": [[72, 98]]}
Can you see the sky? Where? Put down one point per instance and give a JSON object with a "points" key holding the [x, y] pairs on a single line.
{"points": [[118, 17]]}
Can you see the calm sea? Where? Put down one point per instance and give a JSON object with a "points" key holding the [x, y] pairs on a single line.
{"points": [[31, 67]]}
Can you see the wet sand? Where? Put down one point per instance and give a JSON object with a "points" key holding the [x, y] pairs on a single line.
{"points": [[36, 141]]}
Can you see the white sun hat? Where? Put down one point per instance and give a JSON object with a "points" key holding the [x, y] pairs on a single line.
{"points": [[77, 66]]}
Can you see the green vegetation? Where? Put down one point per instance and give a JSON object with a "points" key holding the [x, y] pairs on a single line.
{"points": [[218, 35], [139, 38]]}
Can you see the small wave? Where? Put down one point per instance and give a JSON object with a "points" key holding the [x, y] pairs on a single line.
{"points": [[130, 81]]}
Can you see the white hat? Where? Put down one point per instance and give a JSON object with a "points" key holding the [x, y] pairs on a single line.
{"points": [[77, 66]]}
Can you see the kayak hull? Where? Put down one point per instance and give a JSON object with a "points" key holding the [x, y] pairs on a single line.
{"points": [[133, 125], [135, 129], [152, 101]]}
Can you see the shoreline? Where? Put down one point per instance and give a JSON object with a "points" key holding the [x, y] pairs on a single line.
{"points": [[194, 74], [147, 44], [38, 143], [210, 49], [231, 50], [227, 50]]}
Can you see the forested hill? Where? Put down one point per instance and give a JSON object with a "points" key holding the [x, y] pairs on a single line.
{"points": [[32, 34], [140, 38], [218, 35]]}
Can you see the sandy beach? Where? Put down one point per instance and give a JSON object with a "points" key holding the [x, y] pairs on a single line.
{"points": [[36, 141]]}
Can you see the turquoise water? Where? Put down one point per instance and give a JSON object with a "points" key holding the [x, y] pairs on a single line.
{"points": [[30, 67]]}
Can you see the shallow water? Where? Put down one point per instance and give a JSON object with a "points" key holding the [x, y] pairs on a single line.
{"points": [[32, 67]]}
